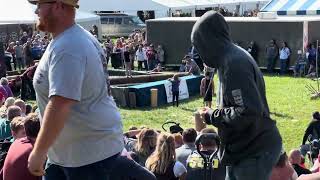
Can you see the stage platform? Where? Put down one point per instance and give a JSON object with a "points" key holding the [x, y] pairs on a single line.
{"points": [[143, 91]]}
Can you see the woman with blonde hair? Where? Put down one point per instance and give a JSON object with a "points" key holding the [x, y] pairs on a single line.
{"points": [[163, 162], [144, 146]]}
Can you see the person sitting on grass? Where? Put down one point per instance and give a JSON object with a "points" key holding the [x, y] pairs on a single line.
{"points": [[283, 169], [17, 128], [195, 163], [5, 130], [163, 161], [295, 160], [16, 163], [22, 105], [144, 146], [188, 137]]}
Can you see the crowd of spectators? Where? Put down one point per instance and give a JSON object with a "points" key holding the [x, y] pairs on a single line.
{"points": [[123, 52], [22, 53]]}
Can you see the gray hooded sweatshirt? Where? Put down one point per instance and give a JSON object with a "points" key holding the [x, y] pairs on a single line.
{"points": [[242, 118]]}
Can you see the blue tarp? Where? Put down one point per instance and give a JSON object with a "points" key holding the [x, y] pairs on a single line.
{"points": [[293, 7], [143, 94]]}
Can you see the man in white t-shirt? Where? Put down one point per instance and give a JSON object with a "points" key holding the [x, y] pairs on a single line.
{"points": [[81, 129]]}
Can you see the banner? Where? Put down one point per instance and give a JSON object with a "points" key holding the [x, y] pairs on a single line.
{"points": [[183, 90]]}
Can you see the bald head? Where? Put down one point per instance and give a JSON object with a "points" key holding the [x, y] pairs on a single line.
{"points": [[295, 156]]}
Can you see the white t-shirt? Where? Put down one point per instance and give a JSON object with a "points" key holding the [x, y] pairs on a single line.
{"points": [[284, 53], [71, 67], [140, 55]]}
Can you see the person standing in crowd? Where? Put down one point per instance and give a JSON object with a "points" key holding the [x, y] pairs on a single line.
{"points": [[160, 55], [27, 51], [24, 37], [132, 53], [27, 89], [284, 54], [163, 161], [81, 129], [11, 50], [19, 55], [140, 57], [242, 115], [127, 61], [95, 30], [108, 49], [272, 54], [145, 49], [253, 50], [151, 57], [16, 163], [206, 89], [312, 56], [175, 81]]}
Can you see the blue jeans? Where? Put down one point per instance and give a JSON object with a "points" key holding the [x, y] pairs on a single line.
{"points": [[255, 168], [113, 168], [283, 66]]}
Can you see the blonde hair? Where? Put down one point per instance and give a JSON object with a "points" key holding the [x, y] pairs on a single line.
{"points": [[163, 156], [146, 143], [16, 124]]}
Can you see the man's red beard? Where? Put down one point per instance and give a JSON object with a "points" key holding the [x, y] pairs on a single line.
{"points": [[46, 24]]}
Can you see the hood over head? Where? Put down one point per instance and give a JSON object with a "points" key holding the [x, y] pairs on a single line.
{"points": [[210, 36]]}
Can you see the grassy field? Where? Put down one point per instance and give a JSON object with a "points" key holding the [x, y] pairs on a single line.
{"points": [[288, 99]]}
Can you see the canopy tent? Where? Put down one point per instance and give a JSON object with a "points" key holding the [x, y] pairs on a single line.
{"points": [[223, 2], [185, 4], [120, 5], [293, 7], [22, 12]]}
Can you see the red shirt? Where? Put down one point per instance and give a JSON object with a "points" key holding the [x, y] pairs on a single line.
{"points": [[16, 164]]}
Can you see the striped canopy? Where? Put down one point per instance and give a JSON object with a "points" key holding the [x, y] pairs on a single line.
{"points": [[293, 7]]}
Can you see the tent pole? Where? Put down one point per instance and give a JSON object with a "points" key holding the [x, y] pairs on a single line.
{"points": [[317, 73]]}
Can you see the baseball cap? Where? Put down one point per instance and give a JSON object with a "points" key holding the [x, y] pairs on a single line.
{"points": [[73, 3]]}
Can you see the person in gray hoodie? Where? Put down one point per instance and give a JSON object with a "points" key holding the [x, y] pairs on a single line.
{"points": [[250, 140]]}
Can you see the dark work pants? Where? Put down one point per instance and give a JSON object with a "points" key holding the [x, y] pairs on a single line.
{"points": [[283, 66], [175, 97], [140, 65], [271, 62], [255, 168], [27, 89], [113, 168]]}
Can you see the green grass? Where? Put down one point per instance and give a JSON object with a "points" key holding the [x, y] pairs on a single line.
{"points": [[289, 103]]}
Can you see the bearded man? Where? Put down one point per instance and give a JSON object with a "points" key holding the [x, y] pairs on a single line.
{"points": [[81, 129]]}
